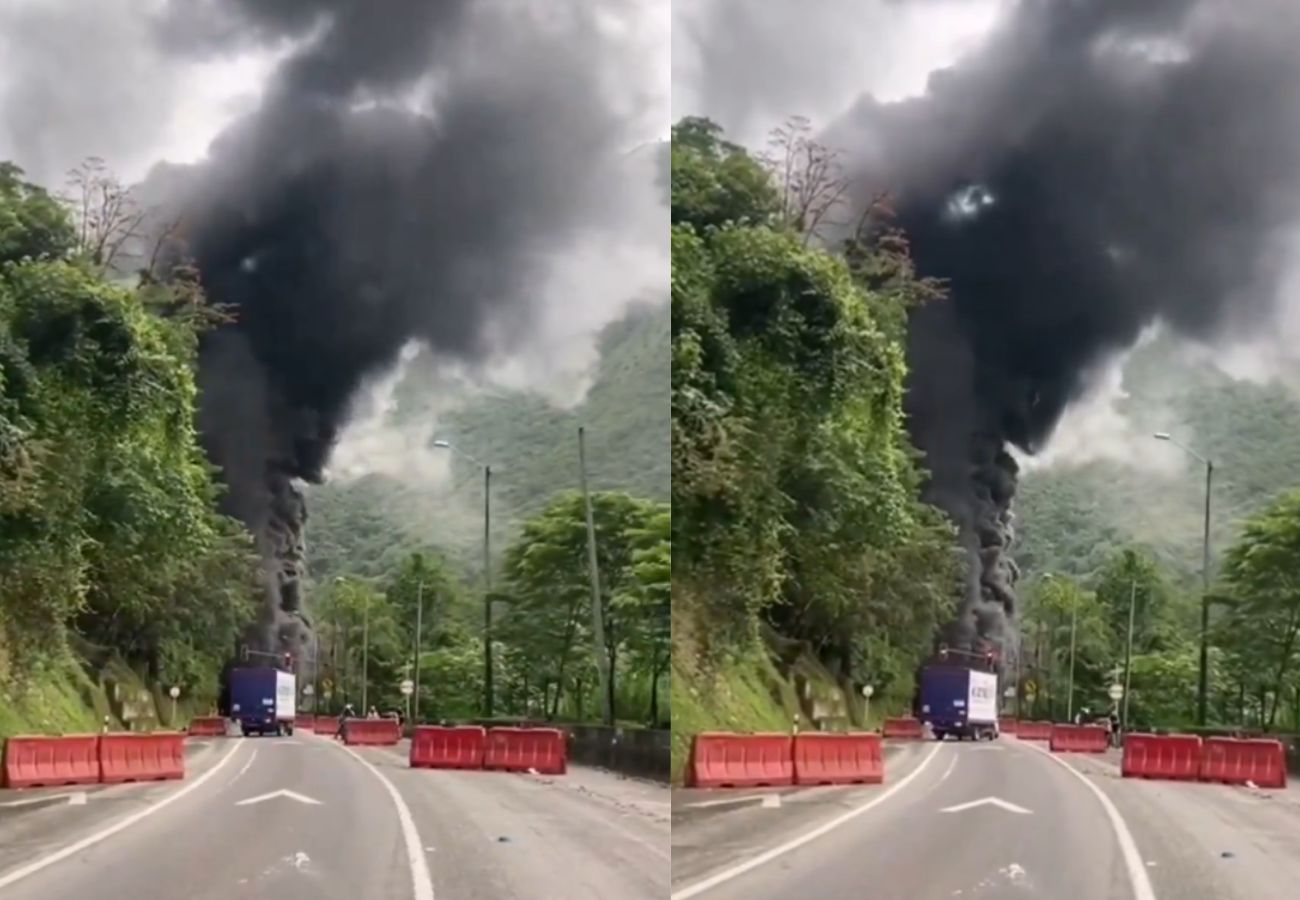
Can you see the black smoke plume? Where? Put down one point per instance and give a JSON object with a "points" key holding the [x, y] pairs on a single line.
{"points": [[410, 171], [1099, 165]]}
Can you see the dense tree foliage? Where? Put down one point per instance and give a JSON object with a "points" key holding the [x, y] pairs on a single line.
{"points": [[794, 484], [108, 529]]}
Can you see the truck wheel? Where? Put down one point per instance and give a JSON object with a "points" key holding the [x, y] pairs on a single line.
{"points": [[288, 729]]}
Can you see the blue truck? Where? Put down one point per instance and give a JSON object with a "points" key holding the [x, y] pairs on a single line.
{"points": [[960, 700], [262, 700]]}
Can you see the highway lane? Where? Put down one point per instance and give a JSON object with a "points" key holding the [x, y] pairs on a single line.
{"points": [[587, 835], [1064, 845], [1207, 841], [208, 845]]}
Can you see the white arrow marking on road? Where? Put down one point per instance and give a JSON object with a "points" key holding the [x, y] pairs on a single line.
{"points": [[76, 798], [290, 794], [991, 801]]}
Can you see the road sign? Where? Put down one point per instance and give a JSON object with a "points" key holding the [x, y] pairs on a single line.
{"points": [[174, 692], [1116, 691], [308, 690], [407, 686]]}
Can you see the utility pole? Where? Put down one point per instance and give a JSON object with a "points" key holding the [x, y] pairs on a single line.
{"points": [[419, 643], [487, 591], [1128, 652], [1203, 686], [365, 657], [1074, 622], [597, 610]]}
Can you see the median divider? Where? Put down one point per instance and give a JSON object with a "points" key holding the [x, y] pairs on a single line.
{"points": [[1034, 731], [828, 758], [742, 760], [455, 747], [1008, 726], [141, 757], [207, 726], [904, 727], [540, 750], [303, 722], [327, 725], [1169, 757], [38, 761], [371, 732], [1078, 739], [1237, 761]]}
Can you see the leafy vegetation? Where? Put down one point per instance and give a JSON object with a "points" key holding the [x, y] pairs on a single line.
{"points": [[794, 484], [109, 539]]}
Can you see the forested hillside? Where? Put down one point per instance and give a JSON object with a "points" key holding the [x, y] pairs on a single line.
{"points": [[804, 565], [366, 526]]}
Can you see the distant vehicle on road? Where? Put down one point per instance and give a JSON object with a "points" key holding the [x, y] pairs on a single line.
{"points": [[957, 697], [262, 700]]}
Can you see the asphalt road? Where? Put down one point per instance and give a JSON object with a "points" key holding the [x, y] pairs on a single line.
{"points": [[352, 824], [1075, 831]]}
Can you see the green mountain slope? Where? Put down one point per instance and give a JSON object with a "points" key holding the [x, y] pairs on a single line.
{"points": [[1070, 517], [366, 526]]}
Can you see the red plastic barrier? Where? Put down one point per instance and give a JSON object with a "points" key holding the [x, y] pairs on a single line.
{"points": [[208, 726], [542, 750], [1079, 739], [903, 727], [823, 758], [304, 722], [1008, 726], [1174, 757], [461, 747], [32, 761], [327, 725], [372, 732], [1034, 731], [141, 757], [1234, 761], [742, 760]]}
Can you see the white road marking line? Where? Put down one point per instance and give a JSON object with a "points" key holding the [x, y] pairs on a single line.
{"points": [[948, 771], [988, 801], [246, 765], [1139, 882], [76, 798], [72, 849], [292, 795], [727, 874], [421, 882], [728, 801], [772, 801]]}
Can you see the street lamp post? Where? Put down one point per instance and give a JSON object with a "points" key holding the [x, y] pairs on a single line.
{"points": [[1202, 687], [487, 571], [597, 611], [1128, 652]]}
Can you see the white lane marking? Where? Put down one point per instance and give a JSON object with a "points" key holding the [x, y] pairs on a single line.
{"points": [[727, 874], [948, 771], [1139, 882], [772, 801], [74, 848], [421, 882], [728, 801], [988, 801], [76, 798], [245, 767], [292, 795]]}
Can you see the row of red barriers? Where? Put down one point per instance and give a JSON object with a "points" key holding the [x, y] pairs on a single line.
{"points": [[326, 725], [540, 750], [372, 732], [1187, 757], [1034, 731], [1079, 739], [303, 722], [778, 760], [904, 727], [207, 726], [38, 761]]}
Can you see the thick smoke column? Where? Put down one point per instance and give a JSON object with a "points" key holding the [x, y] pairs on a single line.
{"points": [[338, 222], [1097, 166]]}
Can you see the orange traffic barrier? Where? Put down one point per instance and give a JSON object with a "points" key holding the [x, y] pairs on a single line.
{"points": [[542, 750], [903, 727], [303, 722], [32, 761], [1034, 731], [461, 747], [327, 725], [826, 758], [207, 726], [372, 732], [1234, 761], [1173, 757], [1078, 739], [1008, 726], [141, 757], [742, 760]]}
